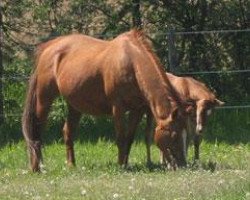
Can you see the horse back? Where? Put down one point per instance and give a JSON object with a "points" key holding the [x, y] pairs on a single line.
{"points": [[190, 88]]}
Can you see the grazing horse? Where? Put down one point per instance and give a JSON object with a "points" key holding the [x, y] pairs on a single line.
{"points": [[100, 77], [203, 100]]}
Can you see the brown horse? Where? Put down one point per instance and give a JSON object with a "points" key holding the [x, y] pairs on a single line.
{"points": [[203, 100], [102, 77]]}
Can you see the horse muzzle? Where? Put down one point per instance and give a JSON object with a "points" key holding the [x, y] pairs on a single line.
{"points": [[199, 129]]}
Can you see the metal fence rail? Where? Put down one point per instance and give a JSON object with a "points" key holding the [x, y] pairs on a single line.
{"points": [[215, 72], [210, 32]]}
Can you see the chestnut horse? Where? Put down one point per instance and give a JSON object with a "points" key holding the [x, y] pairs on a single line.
{"points": [[102, 77], [203, 100]]}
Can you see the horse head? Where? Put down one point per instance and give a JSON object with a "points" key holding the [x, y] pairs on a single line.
{"points": [[204, 109], [170, 138]]}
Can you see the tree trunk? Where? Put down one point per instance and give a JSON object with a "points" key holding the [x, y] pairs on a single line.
{"points": [[136, 14], [1, 68]]}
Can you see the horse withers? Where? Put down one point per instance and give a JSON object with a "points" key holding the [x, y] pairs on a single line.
{"points": [[100, 77]]}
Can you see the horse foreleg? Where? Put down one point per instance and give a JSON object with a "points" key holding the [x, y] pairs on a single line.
{"points": [[42, 110], [118, 115], [68, 129], [134, 119], [148, 137], [197, 142]]}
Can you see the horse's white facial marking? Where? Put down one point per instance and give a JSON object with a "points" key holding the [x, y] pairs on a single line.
{"points": [[198, 122], [209, 112], [184, 140], [199, 128]]}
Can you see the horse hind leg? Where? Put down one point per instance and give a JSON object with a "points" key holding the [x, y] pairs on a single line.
{"points": [[148, 137], [41, 93], [68, 129], [45, 97], [32, 128], [36, 144]]}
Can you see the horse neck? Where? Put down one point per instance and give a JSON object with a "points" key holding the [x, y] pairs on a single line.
{"points": [[152, 82]]}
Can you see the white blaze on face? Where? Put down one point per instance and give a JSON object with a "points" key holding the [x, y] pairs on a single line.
{"points": [[184, 140], [199, 128], [198, 122]]}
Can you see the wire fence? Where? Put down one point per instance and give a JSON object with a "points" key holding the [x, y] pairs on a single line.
{"points": [[174, 52], [210, 32], [220, 58]]}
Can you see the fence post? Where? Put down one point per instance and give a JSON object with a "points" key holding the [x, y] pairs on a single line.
{"points": [[172, 52], [136, 14]]}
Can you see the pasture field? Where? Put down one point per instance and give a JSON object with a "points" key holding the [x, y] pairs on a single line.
{"points": [[224, 174]]}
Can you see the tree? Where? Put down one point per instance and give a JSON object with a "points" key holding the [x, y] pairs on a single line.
{"points": [[136, 14], [1, 68]]}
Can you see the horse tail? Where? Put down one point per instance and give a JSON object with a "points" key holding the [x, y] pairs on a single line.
{"points": [[29, 115], [29, 124]]}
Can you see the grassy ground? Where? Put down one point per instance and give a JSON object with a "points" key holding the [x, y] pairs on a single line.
{"points": [[224, 173]]}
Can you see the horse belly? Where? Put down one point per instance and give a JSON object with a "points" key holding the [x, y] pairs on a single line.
{"points": [[90, 106], [85, 95], [94, 104]]}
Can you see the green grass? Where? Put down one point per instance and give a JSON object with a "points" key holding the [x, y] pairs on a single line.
{"points": [[224, 174]]}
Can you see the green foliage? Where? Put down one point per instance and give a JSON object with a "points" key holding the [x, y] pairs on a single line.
{"points": [[26, 23]]}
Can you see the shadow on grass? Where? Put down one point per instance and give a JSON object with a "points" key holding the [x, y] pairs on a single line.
{"points": [[232, 127], [152, 167], [90, 130], [209, 166]]}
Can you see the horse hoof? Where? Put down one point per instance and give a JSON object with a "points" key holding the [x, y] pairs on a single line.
{"points": [[36, 169], [71, 164]]}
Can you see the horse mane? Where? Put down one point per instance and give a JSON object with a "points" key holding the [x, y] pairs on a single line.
{"points": [[145, 42]]}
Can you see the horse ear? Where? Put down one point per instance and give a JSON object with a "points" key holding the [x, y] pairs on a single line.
{"points": [[218, 102]]}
